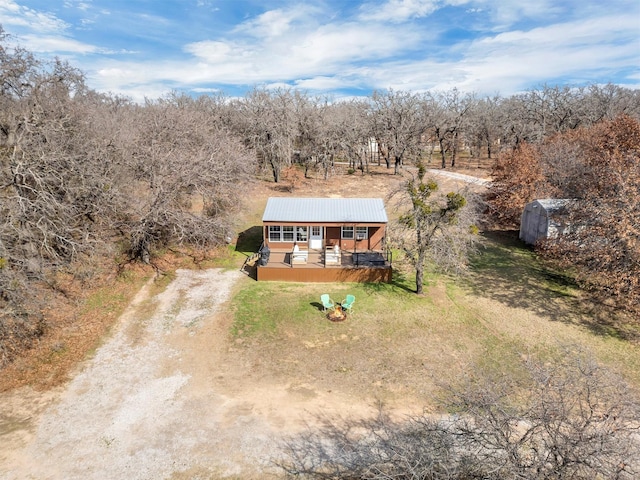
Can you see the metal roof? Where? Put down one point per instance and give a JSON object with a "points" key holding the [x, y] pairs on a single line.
{"points": [[327, 210], [552, 204]]}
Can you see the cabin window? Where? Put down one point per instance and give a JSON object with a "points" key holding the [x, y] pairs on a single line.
{"points": [[301, 234], [362, 233], [347, 233], [275, 233], [287, 233]]}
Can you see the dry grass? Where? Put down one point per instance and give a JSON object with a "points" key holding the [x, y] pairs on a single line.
{"points": [[398, 347], [77, 319]]}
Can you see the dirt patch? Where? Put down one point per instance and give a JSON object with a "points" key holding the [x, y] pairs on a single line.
{"points": [[378, 182]]}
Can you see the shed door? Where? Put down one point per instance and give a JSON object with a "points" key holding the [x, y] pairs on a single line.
{"points": [[315, 239]]}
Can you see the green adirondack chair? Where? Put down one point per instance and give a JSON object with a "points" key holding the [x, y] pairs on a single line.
{"points": [[327, 303], [347, 303]]}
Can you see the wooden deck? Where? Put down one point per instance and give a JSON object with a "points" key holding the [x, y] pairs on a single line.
{"points": [[280, 268]]}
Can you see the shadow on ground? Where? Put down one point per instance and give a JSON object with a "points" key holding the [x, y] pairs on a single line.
{"points": [[317, 306], [510, 272], [249, 240]]}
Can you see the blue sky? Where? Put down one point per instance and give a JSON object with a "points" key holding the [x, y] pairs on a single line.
{"points": [[146, 48]]}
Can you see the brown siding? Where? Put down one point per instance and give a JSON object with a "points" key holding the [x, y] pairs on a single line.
{"points": [[376, 235], [374, 242], [287, 246], [301, 274], [332, 235]]}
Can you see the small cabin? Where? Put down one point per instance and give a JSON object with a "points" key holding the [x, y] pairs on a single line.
{"points": [[324, 239]]}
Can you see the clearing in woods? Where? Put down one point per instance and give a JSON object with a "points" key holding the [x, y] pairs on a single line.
{"points": [[171, 393]]}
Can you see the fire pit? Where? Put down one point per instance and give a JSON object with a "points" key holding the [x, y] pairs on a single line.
{"points": [[337, 314]]}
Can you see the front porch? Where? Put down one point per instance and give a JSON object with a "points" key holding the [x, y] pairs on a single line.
{"points": [[368, 266]]}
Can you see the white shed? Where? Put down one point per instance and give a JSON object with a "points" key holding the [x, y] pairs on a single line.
{"points": [[544, 218]]}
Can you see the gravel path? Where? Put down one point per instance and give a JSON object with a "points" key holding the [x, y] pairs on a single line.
{"points": [[141, 408], [460, 176]]}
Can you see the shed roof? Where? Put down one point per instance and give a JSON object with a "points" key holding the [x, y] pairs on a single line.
{"points": [[552, 204], [328, 210]]}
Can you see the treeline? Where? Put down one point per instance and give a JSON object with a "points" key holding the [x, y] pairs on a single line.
{"points": [[86, 176], [397, 127]]}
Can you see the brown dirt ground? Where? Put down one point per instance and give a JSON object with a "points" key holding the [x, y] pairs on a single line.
{"points": [[169, 394]]}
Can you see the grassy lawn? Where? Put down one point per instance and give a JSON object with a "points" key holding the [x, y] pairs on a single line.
{"points": [[398, 346]]}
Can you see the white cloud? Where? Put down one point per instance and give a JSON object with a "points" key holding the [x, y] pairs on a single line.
{"points": [[301, 52], [16, 15], [325, 83], [79, 4], [334, 44], [205, 90], [511, 61], [398, 10], [214, 51], [206, 4], [578, 35], [274, 23], [43, 31], [326, 58], [506, 13], [56, 44]]}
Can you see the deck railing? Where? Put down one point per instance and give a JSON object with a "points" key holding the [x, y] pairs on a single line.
{"points": [[252, 257]]}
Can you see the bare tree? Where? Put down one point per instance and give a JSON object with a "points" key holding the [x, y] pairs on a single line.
{"points": [[52, 186], [178, 156], [315, 142], [377, 448], [566, 418], [352, 132], [599, 168], [484, 127], [398, 125], [606, 102], [447, 117], [518, 178], [603, 246], [553, 110], [267, 122]]}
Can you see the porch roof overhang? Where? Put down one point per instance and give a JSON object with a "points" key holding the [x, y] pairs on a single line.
{"points": [[325, 211]]}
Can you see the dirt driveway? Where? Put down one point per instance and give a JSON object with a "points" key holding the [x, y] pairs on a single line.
{"points": [[160, 399]]}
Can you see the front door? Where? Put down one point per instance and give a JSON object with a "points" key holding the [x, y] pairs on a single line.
{"points": [[315, 239]]}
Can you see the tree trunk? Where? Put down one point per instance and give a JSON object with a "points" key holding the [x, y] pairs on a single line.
{"points": [[419, 279], [454, 150], [397, 164], [275, 169], [442, 153]]}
